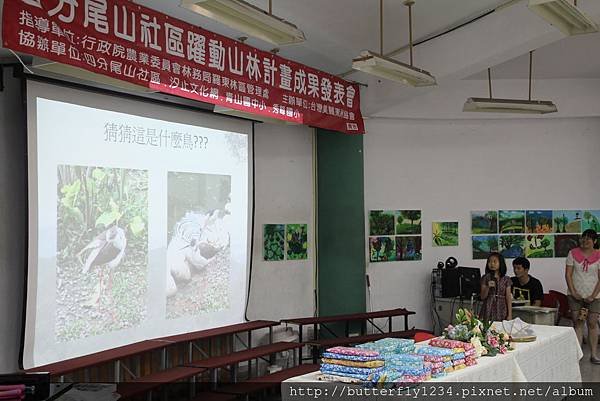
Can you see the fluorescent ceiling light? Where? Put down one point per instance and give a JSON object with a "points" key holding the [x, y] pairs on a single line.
{"points": [[244, 17], [387, 68], [489, 105], [564, 16], [251, 116], [81, 74]]}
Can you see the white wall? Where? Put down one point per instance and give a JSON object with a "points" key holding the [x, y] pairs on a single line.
{"points": [[448, 168], [13, 212], [284, 194]]}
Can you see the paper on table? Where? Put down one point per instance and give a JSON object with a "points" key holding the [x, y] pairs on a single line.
{"points": [[517, 328]]}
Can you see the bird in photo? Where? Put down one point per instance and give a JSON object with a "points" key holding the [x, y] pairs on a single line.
{"points": [[196, 240], [107, 249]]}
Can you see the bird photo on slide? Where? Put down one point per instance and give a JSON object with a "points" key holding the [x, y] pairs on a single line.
{"points": [[105, 251], [102, 250], [198, 257]]}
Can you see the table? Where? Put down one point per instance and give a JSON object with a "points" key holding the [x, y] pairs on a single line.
{"points": [[553, 357], [536, 314], [444, 310]]}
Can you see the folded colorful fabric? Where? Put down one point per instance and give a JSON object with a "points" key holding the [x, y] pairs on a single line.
{"points": [[404, 365], [446, 343], [470, 361], [461, 366], [350, 357], [433, 358], [362, 377], [352, 351], [412, 379], [458, 362], [414, 358], [459, 355], [458, 350], [471, 352], [390, 345], [435, 351], [399, 364], [335, 378], [331, 368], [395, 342], [437, 365], [448, 364], [449, 369], [414, 371], [355, 364], [388, 375]]}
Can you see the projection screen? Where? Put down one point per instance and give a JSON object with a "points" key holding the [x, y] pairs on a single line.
{"points": [[138, 222]]}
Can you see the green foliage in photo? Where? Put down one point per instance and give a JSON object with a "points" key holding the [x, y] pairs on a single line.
{"points": [[273, 242], [381, 222], [297, 241]]}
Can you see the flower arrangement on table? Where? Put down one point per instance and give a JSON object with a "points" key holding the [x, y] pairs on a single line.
{"points": [[484, 337]]}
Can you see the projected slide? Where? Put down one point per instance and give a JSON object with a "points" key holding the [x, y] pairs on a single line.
{"points": [[138, 222], [101, 271]]}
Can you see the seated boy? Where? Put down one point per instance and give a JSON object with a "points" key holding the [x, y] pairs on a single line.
{"points": [[525, 287]]}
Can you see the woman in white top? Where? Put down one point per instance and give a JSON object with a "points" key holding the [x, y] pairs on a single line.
{"points": [[583, 279]]}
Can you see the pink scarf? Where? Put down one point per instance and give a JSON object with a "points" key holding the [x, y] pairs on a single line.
{"points": [[582, 259]]}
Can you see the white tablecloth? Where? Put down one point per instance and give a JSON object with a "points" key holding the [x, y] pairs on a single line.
{"points": [[553, 357]]}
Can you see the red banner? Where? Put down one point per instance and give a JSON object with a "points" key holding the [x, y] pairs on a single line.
{"points": [[123, 40]]}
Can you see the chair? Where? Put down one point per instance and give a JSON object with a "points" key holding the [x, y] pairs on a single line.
{"points": [[563, 305], [550, 300], [423, 336]]}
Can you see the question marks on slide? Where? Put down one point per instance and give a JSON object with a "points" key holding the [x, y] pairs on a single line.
{"points": [[203, 141]]}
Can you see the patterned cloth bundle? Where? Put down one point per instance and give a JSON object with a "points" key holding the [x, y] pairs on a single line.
{"points": [[356, 364], [353, 351], [470, 361], [390, 346], [462, 354], [446, 343], [341, 370], [399, 361], [433, 351], [411, 368], [350, 357], [351, 363]]}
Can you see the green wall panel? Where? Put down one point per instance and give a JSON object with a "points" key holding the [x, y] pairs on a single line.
{"points": [[340, 224]]}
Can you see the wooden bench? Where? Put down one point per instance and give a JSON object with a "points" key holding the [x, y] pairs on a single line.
{"points": [[154, 380], [257, 384], [214, 363], [320, 322]]}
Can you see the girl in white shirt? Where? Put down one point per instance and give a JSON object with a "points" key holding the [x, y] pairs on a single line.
{"points": [[583, 279]]}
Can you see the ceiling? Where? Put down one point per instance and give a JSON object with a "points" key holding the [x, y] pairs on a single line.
{"points": [[338, 30], [571, 57]]}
